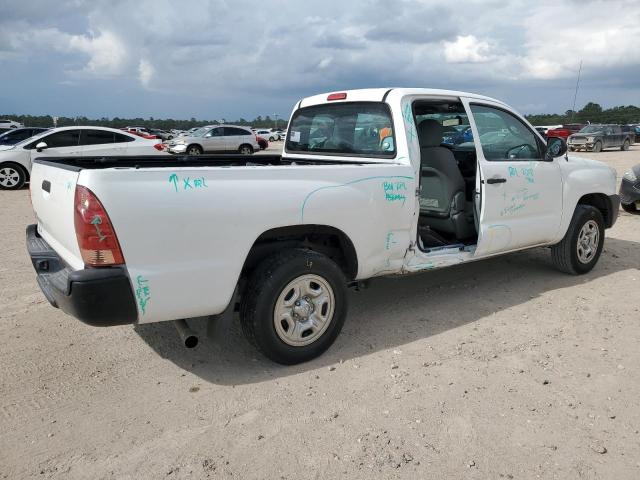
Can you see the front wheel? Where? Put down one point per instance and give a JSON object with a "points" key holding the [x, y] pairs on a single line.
{"points": [[579, 250], [194, 150], [625, 146], [629, 207], [294, 306], [12, 177], [597, 147]]}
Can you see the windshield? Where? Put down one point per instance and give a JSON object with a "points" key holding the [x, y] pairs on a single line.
{"points": [[592, 129], [358, 128]]}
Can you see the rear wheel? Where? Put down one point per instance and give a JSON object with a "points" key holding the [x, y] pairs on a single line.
{"points": [[597, 147], [625, 146], [579, 250], [294, 306], [12, 177], [246, 149], [194, 150]]}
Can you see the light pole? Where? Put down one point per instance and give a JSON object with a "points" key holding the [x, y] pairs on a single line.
{"points": [[276, 117]]}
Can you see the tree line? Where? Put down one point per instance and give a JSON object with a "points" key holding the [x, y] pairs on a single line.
{"points": [[161, 123], [592, 113]]}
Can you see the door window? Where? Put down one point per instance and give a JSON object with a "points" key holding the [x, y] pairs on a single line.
{"points": [[66, 138], [503, 136], [96, 137], [232, 132], [120, 138], [215, 132]]}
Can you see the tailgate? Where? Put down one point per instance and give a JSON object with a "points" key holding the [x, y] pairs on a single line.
{"points": [[52, 195]]}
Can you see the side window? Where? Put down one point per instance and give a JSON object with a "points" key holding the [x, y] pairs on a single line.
{"points": [[216, 132], [231, 131], [96, 137], [119, 138], [66, 138], [503, 136]]}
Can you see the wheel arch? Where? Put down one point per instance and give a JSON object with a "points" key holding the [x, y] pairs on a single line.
{"points": [[601, 202], [324, 239]]}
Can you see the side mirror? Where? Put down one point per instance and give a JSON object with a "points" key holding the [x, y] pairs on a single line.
{"points": [[556, 147], [387, 144], [41, 146]]}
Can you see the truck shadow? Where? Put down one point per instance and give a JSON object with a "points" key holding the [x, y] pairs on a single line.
{"points": [[390, 313]]}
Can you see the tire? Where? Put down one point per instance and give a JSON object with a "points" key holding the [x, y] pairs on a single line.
{"points": [[245, 149], [629, 207], [573, 149], [286, 340], [272, 139], [12, 176], [571, 255], [597, 147], [194, 150], [625, 146]]}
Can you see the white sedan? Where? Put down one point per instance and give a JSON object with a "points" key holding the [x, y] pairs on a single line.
{"points": [[268, 135], [15, 160]]}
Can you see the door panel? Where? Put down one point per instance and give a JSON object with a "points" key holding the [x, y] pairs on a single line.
{"points": [[521, 194], [214, 140]]}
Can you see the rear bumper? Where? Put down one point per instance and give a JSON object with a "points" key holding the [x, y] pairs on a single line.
{"points": [[629, 191], [100, 297]]}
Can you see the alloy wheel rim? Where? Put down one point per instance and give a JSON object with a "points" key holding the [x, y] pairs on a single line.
{"points": [[9, 177], [304, 310], [588, 241]]}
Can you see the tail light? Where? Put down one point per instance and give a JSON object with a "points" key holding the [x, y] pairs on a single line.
{"points": [[159, 146], [97, 239]]}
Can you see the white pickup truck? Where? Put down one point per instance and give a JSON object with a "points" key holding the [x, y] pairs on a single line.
{"points": [[371, 183]]}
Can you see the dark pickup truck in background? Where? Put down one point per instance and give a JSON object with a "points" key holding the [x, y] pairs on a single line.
{"points": [[596, 138]]}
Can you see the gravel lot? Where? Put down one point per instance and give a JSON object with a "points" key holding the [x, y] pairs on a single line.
{"points": [[499, 369]]}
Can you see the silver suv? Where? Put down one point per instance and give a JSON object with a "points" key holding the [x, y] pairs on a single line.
{"points": [[215, 139]]}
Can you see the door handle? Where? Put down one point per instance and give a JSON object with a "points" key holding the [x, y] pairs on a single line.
{"points": [[494, 180]]}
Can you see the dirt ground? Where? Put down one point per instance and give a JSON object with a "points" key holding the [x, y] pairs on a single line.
{"points": [[499, 369]]}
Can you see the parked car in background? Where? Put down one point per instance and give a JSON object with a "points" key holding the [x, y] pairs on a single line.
{"points": [[598, 137], [564, 131], [141, 131], [215, 139], [630, 131], [17, 135], [16, 160], [457, 135], [264, 144], [161, 134], [543, 129], [630, 190], [8, 124], [268, 135]]}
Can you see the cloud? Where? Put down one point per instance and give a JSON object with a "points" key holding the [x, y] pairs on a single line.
{"points": [[145, 72], [466, 49], [228, 58]]}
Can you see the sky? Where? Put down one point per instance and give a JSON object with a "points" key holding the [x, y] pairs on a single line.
{"points": [[231, 59]]}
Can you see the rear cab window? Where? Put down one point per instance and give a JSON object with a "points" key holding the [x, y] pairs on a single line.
{"points": [[346, 129]]}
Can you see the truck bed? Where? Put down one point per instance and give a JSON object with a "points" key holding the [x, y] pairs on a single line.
{"points": [[159, 161]]}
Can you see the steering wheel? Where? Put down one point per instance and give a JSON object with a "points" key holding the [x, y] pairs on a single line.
{"points": [[515, 152]]}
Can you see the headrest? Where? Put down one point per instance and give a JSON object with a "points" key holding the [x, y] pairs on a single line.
{"points": [[430, 133]]}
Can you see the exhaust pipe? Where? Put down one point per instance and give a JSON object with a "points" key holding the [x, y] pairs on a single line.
{"points": [[188, 336]]}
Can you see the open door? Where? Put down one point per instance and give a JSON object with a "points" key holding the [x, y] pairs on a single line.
{"points": [[518, 192]]}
